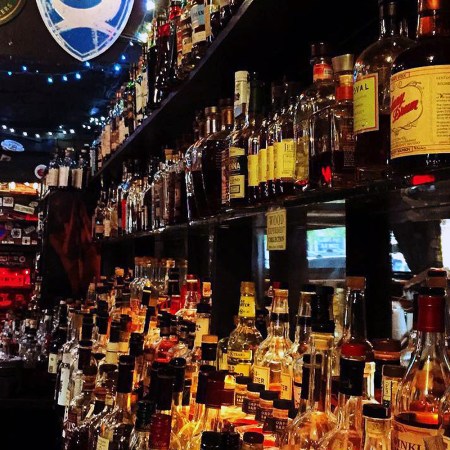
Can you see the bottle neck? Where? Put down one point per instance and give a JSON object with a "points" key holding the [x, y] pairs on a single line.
{"points": [[322, 70], [357, 315], [321, 345], [431, 344], [227, 119], [349, 413], [369, 382], [123, 402], [303, 329], [177, 400], [390, 24], [279, 327], [247, 322], [211, 420], [191, 300], [199, 412], [433, 23]]}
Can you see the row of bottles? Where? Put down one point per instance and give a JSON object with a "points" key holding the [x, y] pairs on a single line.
{"points": [[132, 365]]}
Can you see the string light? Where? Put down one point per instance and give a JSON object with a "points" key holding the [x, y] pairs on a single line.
{"points": [[78, 76], [50, 80]]}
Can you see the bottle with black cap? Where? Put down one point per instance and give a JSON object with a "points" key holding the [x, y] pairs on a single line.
{"points": [[319, 95], [202, 324], [59, 337], [178, 367], [211, 440], [140, 436], [137, 351], [100, 344], [348, 432], [199, 406], [230, 440], [377, 427], [112, 348], [273, 363], [118, 425]]}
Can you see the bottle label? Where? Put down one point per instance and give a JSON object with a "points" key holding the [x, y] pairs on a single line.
{"points": [[107, 228], [365, 104], [247, 306], [236, 178], [99, 228], [52, 363], [242, 355], [375, 427], [279, 425], [261, 375], [407, 437], [419, 102], [198, 23], [63, 394], [301, 156], [242, 369], [322, 72], [52, 177], [77, 178], [297, 388], [284, 157], [239, 398], [253, 170], [286, 386], [251, 406], [262, 165], [63, 178], [201, 329], [102, 443], [270, 163], [111, 353], [241, 96], [389, 391]]}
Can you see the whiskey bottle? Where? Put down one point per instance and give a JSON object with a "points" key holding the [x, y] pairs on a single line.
{"points": [[186, 63], [319, 95], [213, 155], [419, 103], [175, 10], [51, 179], [372, 96], [225, 13], [162, 60], [199, 34], [245, 339], [416, 411], [284, 143], [377, 427]]}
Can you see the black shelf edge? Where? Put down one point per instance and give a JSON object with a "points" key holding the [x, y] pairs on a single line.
{"points": [[124, 148], [18, 246]]}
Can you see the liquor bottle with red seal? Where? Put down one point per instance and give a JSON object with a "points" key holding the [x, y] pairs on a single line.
{"points": [[416, 412]]}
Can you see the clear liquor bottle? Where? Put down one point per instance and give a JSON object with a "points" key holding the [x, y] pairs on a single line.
{"points": [[416, 411], [245, 339], [178, 368], [273, 363], [52, 177], [140, 436], [372, 96], [313, 98]]}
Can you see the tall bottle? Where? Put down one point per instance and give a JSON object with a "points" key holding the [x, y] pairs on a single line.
{"points": [[245, 339], [273, 363], [372, 96], [140, 436], [317, 96], [416, 412], [215, 147], [420, 103]]}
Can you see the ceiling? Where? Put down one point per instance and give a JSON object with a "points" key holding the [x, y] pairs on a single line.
{"points": [[28, 102]]}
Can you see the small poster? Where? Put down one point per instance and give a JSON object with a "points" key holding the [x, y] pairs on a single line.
{"points": [[276, 229]]}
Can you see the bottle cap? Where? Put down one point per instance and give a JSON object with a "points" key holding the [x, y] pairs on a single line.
{"points": [[211, 440], [435, 5], [165, 389], [90, 370], [102, 322], [136, 344], [282, 404], [392, 371], [243, 380], [210, 339], [248, 287], [283, 293], [431, 316], [114, 333], [211, 110], [230, 440], [376, 411], [255, 387], [308, 287], [178, 366], [269, 395], [343, 63], [203, 308], [353, 350], [251, 437], [241, 75], [126, 369]]}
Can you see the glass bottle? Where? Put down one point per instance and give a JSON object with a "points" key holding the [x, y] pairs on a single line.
{"points": [[245, 339], [66, 165], [416, 412], [225, 12], [215, 146], [185, 62], [189, 310], [178, 368], [377, 427], [117, 426], [52, 177], [162, 57], [140, 436], [122, 195], [332, 133], [175, 10], [284, 143], [252, 441], [99, 217], [425, 64], [317, 96], [199, 29], [168, 189], [347, 435], [211, 440], [273, 363], [165, 344], [372, 97]]}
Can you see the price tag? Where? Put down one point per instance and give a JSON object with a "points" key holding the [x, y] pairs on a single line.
{"points": [[276, 229], [102, 443]]}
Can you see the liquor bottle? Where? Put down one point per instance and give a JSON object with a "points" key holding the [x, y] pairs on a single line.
{"points": [[213, 20], [277, 92], [314, 419], [65, 168], [235, 5], [175, 10], [332, 158], [372, 96], [157, 221], [252, 441], [216, 145], [180, 188], [168, 187], [165, 344], [140, 436], [100, 344], [118, 425], [256, 117], [284, 143], [425, 65], [247, 95], [189, 310], [186, 63], [416, 412], [273, 363], [377, 427], [225, 13], [152, 63], [52, 177], [178, 368], [347, 435], [199, 32], [317, 96], [162, 59], [80, 405], [245, 339], [58, 339], [99, 217], [211, 440]]}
